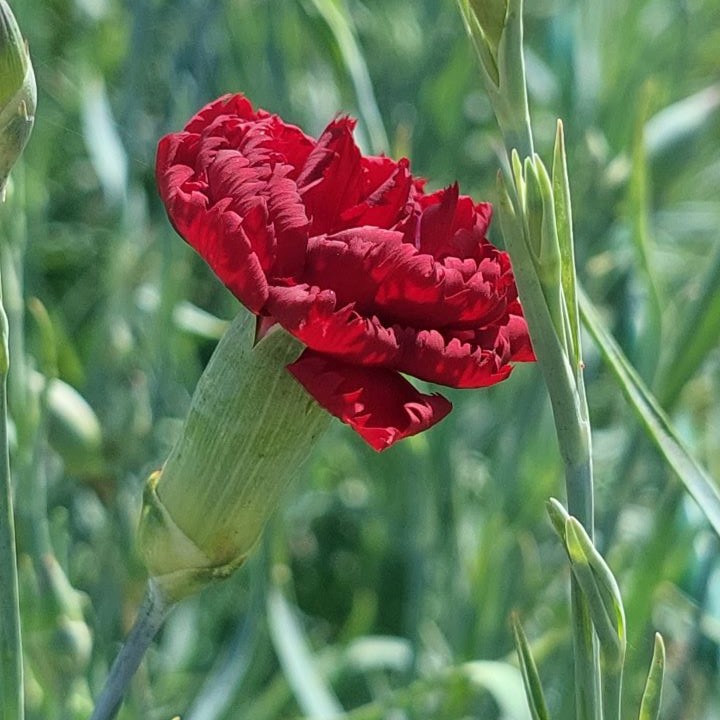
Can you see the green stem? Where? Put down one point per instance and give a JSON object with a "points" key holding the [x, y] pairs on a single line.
{"points": [[612, 693], [11, 668], [579, 487], [150, 618], [567, 396], [512, 110], [503, 73]]}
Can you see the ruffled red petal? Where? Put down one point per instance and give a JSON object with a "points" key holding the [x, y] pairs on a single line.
{"points": [[380, 405], [386, 187], [518, 337], [331, 179], [465, 359], [228, 105], [237, 206], [382, 275], [446, 224], [459, 362], [313, 317]]}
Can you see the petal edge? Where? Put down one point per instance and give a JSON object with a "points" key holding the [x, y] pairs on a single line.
{"points": [[379, 404]]}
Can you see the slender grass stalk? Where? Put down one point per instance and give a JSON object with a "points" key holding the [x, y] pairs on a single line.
{"points": [[11, 667], [150, 618]]}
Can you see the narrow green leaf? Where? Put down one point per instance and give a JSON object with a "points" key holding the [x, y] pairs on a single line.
{"points": [[558, 517], [652, 696], [485, 49], [103, 142], [48, 345], [648, 314], [550, 268], [682, 120], [534, 212], [604, 585], [503, 681], [518, 177], [563, 219], [531, 679], [314, 696], [490, 16], [653, 419], [341, 26], [567, 401], [603, 619], [511, 102], [700, 334]]}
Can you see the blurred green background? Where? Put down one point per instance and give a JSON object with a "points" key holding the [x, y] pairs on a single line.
{"points": [[385, 583]]}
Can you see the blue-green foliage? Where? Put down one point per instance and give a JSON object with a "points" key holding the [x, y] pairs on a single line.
{"points": [[398, 571]]}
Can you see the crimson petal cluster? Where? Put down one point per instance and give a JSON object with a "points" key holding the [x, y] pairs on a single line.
{"points": [[349, 254]]}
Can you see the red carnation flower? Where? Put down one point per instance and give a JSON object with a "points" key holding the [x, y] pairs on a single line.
{"points": [[350, 255]]}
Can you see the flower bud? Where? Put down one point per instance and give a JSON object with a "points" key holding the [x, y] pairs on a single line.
{"points": [[249, 428], [18, 93], [598, 585]]}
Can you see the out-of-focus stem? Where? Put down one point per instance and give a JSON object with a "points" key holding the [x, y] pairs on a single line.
{"points": [[150, 618], [11, 669], [612, 693]]}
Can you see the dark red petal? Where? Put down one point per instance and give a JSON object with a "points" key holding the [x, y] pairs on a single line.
{"points": [[218, 236], [233, 105], [385, 194], [380, 405], [436, 224], [518, 336], [289, 145], [384, 276], [456, 362], [331, 180], [354, 263], [313, 317], [236, 208], [446, 224]]}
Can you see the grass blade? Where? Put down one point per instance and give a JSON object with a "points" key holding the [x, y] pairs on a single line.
{"points": [[653, 419], [338, 20], [314, 696], [531, 679], [699, 335], [652, 696]]}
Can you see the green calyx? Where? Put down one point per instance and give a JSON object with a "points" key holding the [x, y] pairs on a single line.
{"points": [[18, 93], [249, 429]]}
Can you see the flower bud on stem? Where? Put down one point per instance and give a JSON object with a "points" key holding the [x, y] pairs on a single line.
{"points": [[250, 427]]}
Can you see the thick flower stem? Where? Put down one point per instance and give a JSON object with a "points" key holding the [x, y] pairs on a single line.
{"points": [[150, 618], [11, 670]]}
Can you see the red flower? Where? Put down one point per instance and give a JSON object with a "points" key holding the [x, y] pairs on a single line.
{"points": [[349, 254]]}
